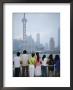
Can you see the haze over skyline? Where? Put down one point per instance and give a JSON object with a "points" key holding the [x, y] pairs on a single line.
{"points": [[46, 24]]}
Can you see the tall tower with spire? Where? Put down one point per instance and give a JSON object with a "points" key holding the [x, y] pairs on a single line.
{"points": [[24, 30], [24, 27]]}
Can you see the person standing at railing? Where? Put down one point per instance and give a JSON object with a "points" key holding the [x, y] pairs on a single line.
{"points": [[57, 65], [37, 65], [44, 66], [17, 64], [32, 61], [24, 63], [50, 65]]}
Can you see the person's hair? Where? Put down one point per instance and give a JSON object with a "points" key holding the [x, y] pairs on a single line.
{"points": [[57, 57], [24, 52], [44, 56], [37, 54], [50, 57], [18, 53], [51, 60], [33, 54]]}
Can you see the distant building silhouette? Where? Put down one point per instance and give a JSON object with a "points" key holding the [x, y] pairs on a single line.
{"points": [[30, 44], [46, 46], [52, 44], [38, 38], [59, 38]]}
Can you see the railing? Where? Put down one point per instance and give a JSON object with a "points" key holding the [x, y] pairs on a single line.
{"points": [[53, 70], [48, 73]]}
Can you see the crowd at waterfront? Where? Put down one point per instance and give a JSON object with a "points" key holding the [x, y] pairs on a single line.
{"points": [[34, 66]]}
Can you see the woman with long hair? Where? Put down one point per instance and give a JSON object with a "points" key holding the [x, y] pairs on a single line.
{"points": [[32, 61], [57, 65], [44, 66], [37, 65], [50, 65]]}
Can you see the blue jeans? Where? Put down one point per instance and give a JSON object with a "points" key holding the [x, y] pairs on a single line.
{"points": [[44, 71]]}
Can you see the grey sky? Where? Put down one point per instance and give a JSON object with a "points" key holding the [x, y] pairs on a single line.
{"points": [[47, 24]]}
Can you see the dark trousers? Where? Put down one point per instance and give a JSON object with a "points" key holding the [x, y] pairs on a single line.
{"points": [[25, 71], [51, 71], [44, 71], [17, 72]]}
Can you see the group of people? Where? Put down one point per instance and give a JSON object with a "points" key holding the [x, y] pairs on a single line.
{"points": [[35, 66]]}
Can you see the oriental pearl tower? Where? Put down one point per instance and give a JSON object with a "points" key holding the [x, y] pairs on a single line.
{"points": [[24, 32]]}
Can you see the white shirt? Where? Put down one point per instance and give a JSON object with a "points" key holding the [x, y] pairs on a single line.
{"points": [[24, 59], [44, 62], [16, 61]]}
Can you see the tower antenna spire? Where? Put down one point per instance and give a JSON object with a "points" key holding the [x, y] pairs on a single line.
{"points": [[24, 29]]}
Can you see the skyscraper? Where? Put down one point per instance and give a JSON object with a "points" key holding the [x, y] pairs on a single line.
{"points": [[59, 38], [52, 43], [38, 38], [46, 46]]}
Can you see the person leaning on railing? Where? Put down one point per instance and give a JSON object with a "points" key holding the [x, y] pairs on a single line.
{"points": [[24, 63], [32, 61], [38, 65], [57, 65], [17, 64], [44, 66], [50, 65]]}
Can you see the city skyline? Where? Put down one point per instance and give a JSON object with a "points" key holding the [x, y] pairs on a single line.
{"points": [[45, 24]]}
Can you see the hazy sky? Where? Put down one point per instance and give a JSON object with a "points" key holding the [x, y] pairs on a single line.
{"points": [[47, 24]]}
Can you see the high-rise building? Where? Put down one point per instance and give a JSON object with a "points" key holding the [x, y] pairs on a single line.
{"points": [[59, 38], [52, 44], [46, 46], [38, 38]]}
